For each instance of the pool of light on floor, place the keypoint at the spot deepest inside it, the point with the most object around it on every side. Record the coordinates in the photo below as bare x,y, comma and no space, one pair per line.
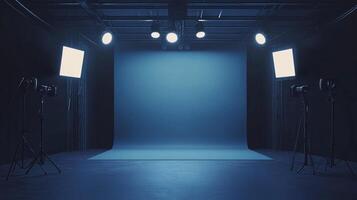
179,153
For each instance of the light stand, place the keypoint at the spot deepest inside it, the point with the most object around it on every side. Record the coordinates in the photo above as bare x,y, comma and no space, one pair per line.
42,155
306,139
331,100
23,144
331,159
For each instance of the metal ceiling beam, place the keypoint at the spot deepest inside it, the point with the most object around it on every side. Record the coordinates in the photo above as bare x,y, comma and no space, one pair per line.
345,14
207,28
25,11
194,5
191,6
322,27
193,18
187,39
91,12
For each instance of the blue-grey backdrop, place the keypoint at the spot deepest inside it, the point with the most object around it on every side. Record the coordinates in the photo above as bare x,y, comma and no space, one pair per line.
180,97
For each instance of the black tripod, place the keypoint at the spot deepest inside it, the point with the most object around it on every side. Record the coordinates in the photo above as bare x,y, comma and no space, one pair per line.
23,145
331,159
306,140
42,155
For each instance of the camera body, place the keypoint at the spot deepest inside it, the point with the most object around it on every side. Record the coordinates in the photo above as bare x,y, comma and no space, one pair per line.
31,84
298,90
47,90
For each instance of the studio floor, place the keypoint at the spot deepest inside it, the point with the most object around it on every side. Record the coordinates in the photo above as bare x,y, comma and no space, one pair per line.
180,152
89,179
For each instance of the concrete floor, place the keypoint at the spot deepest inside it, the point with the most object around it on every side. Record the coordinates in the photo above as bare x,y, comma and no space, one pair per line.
179,179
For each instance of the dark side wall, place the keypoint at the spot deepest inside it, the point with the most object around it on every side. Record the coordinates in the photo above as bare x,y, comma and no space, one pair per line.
327,53
259,97
100,99
30,50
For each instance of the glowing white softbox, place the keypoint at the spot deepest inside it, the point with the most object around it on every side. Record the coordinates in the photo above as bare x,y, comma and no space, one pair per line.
284,63
71,62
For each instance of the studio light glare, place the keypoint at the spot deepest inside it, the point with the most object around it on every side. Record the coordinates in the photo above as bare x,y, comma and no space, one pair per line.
284,63
155,35
171,37
71,62
200,34
155,30
260,38
107,38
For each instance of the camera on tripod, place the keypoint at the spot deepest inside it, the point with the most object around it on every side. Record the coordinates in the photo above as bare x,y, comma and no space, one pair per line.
47,90
27,85
298,90
31,84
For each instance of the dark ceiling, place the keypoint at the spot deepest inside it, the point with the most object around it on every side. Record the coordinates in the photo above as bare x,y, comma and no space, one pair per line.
223,20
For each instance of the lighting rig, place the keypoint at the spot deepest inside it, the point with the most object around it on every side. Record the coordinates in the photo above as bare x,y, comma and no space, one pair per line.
300,91
155,30
42,156
260,38
329,86
27,85
107,37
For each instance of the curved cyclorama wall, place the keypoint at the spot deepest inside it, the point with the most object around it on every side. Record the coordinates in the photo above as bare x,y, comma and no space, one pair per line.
180,98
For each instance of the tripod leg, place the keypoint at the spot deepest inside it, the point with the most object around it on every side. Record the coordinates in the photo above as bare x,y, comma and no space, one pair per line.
22,153
350,168
53,163
14,167
311,159
327,163
312,164
13,163
28,145
30,149
44,171
295,145
18,164
33,162
301,169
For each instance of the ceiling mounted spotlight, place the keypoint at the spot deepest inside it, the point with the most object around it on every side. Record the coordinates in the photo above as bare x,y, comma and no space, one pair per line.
171,37
155,30
155,34
200,32
107,38
260,38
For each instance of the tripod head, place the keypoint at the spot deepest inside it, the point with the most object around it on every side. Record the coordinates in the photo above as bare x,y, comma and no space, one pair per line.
27,84
300,91
31,84
329,86
47,90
